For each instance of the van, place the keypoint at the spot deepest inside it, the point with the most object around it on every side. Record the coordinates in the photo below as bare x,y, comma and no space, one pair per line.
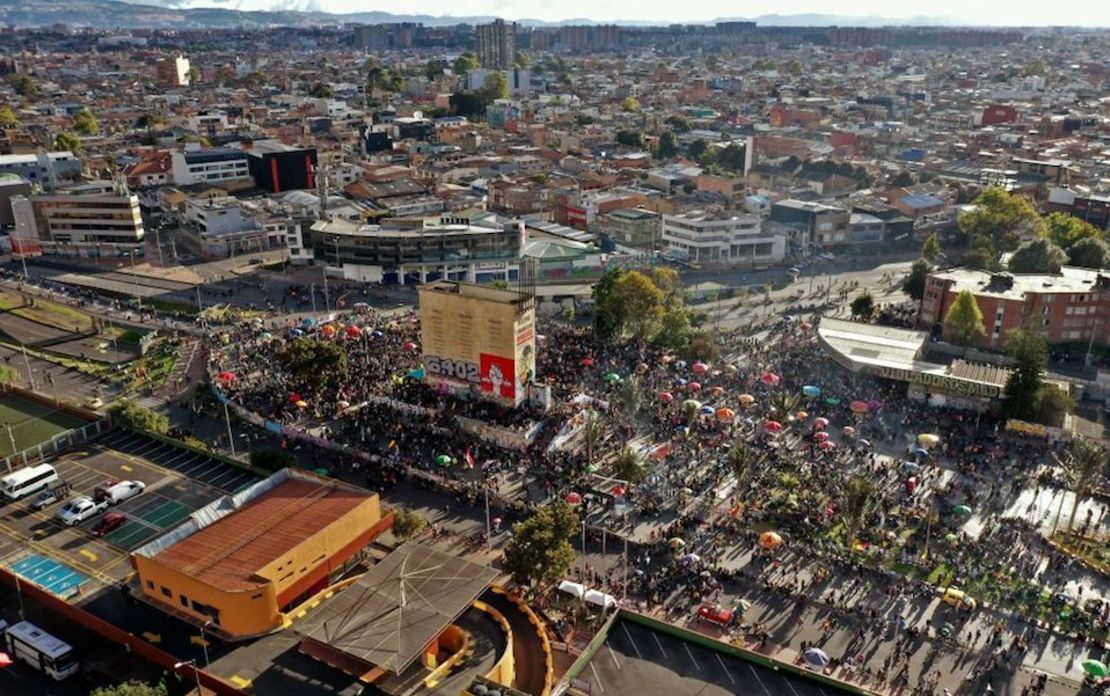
29,479
115,492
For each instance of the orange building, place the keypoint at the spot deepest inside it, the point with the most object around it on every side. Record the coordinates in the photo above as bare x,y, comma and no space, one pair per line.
243,560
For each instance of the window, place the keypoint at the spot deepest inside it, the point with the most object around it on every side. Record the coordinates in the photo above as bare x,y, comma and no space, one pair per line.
150,584
166,591
1069,310
184,601
1044,310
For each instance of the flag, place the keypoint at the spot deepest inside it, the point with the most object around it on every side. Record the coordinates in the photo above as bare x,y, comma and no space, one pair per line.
469,459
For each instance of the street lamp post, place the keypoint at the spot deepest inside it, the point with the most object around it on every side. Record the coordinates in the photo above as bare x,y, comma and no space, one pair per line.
196,672
230,436
135,282
27,363
11,436
204,641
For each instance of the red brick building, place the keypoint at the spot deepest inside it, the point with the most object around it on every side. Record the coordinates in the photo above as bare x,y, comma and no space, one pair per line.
1072,306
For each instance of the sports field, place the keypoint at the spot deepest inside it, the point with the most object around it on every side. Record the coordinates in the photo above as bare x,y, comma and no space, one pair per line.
30,423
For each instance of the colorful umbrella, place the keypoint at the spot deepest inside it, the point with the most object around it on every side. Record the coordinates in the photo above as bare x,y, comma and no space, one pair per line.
573,498
826,445
328,331
586,362
618,491
927,439
301,404
666,397
812,391
858,407
832,401
717,391
612,378
1095,668
707,410
770,540
353,331
700,368
691,404
848,431
820,422
676,543
641,368
5,660
343,404
418,372
816,657
769,378
691,558
962,511
772,426
801,415
742,604
443,460
294,397
409,346
226,377
725,414
693,386
806,326
820,436
746,399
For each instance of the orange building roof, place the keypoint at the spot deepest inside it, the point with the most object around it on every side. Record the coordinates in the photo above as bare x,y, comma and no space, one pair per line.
229,552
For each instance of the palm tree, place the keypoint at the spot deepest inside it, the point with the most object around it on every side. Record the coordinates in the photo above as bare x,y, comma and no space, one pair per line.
631,397
1083,468
593,432
785,404
859,496
630,466
741,459
690,409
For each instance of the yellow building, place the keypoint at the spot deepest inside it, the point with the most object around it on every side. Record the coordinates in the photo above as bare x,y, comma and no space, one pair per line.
243,560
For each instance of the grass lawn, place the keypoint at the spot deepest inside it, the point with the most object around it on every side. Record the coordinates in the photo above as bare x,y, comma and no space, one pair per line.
31,423
122,335
45,312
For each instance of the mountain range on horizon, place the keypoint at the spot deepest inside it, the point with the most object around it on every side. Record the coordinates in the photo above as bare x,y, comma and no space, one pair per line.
107,14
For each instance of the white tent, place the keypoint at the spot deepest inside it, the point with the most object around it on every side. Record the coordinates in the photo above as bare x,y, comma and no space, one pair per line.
574,589
601,599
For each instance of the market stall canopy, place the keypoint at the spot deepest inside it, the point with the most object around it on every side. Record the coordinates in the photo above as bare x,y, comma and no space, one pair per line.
574,589
600,599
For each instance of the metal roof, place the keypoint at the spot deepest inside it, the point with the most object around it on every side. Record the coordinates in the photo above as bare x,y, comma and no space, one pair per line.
397,608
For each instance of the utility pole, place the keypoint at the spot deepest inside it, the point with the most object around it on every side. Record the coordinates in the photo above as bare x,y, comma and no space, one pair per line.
27,362
135,282
15,450
489,536
230,435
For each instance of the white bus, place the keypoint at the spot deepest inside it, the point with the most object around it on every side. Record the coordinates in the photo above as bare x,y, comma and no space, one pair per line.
27,480
36,647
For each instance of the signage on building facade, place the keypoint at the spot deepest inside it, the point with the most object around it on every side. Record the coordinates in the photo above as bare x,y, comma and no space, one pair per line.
946,383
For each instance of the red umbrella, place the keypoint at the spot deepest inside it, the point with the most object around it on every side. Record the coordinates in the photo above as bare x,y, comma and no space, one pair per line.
769,378
409,345
693,386
806,326
859,407
666,397
821,436
353,331
617,491
827,445
700,368
587,362
820,422
772,426
5,660
295,397
573,498
226,377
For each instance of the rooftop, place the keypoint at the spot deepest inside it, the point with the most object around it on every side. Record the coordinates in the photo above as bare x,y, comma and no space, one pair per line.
228,542
1071,279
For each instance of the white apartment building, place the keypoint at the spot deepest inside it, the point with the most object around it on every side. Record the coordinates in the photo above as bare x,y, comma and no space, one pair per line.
223,228
721,237
209,166
81,219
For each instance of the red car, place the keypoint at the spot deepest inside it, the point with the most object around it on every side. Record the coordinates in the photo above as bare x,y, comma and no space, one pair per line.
714,614
108,523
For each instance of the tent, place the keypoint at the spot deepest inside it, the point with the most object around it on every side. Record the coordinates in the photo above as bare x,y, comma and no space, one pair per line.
600,599
574,589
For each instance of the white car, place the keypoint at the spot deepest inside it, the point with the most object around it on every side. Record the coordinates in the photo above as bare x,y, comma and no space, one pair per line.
115,492
79,510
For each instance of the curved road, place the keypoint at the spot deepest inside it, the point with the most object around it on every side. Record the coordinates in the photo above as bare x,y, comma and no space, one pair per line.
527,646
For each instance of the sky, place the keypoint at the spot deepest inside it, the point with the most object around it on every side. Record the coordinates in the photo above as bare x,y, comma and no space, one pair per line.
1088,13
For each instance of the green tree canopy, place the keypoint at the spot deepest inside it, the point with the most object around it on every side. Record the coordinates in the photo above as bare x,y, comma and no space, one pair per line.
630,466
407,524
131,688
863,307
964,320
858,499
980,255
465,63
1084,468
85,123
1030,351
630,138
914,284
630,104
1089,252
307,358
540,550
666,146
495,87
8,374
1064,230
8,118
1002,218
697,148
67,141
131,414
903,179
23,85
930,249
606,322
1037,256
638,305
321,90
678,123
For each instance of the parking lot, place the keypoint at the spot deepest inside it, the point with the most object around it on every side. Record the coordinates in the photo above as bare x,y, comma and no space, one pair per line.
636,659
70,561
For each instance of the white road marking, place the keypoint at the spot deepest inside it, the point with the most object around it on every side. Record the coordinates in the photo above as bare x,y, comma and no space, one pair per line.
632,640
725,668
613,655
696,665
597,678
659,644
791,687
761,684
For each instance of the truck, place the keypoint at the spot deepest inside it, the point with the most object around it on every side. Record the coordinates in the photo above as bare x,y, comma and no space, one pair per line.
55,493
80,509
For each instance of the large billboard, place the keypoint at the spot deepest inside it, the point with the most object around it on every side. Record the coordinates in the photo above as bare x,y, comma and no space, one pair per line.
479,339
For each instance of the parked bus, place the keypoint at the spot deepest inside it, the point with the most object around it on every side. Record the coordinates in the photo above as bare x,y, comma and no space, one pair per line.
27,480
36,647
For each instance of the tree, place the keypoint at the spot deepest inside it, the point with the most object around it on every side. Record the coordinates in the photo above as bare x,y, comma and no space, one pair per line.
631,397
321,90
1053,405
1037,256
1002,218
23,85
863,307
131,414
8,118
903,179
964,321
594,430
606,323
732,158
630,104
407,524
930,250
1089,252
522,59
540,550
433,70
309,358
674,328
468,104
980,255
465,63
85,123
630,466
678,123
741,460
67,141
1030,351
8,375
630,138
638,305
697,148
702,346
271,460
131,688
666,146
193,76
794,67
1083,468
858,497
495,87
1064,230
914,284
